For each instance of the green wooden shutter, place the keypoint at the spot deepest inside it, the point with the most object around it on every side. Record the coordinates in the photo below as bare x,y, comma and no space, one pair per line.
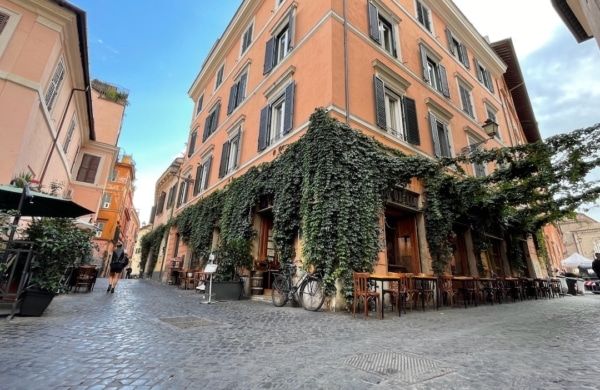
241,91
291,30
232,98
224,159
269,55
444,81
423,51
434,136
450,41
411,123
464,56
215,121
208,166
380,117
374,32
263,132
288,119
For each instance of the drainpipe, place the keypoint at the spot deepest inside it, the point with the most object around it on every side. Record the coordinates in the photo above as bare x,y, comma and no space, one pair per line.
346,83
60,126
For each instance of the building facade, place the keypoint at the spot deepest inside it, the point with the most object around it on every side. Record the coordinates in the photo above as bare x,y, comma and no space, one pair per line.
413,74
582,18
117,218
136,257
581,235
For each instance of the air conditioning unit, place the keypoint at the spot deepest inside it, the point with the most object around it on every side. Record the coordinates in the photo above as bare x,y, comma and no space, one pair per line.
106,205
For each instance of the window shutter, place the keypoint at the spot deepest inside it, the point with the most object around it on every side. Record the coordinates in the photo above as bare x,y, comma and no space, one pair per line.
420,16
490,82
380,117
241,92
288,120
206,132
478,70
423,51
374,23
269,55
215,121
198,179
224,159
450,43
464,56
448,150
3,21
208,166
394,50
94,162
291,30
444,81
232,98
263,132
434,136
411,122
199,104
192,144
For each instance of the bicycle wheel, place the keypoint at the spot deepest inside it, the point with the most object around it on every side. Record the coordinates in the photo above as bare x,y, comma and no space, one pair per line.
281,290
312,294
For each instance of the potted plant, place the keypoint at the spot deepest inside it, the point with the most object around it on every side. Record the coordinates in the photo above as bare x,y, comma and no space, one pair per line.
233,258
59,244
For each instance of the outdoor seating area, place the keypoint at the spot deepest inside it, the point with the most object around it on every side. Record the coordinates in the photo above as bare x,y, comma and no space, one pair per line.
84,277
402,291
187,279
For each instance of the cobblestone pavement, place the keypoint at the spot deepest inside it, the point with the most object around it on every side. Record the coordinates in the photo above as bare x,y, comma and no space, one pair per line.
152,336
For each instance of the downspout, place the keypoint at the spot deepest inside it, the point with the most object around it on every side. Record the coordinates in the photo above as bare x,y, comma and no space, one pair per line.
346,83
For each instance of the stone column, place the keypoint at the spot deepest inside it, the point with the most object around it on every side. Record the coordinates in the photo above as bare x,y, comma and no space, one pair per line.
424,255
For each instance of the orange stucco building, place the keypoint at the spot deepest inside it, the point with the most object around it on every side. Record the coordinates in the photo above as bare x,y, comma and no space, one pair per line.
414,74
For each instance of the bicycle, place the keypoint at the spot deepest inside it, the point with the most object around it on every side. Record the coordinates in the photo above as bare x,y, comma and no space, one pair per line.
308,292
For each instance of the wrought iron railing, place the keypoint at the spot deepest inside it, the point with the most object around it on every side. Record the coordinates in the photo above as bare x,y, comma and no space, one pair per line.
15,265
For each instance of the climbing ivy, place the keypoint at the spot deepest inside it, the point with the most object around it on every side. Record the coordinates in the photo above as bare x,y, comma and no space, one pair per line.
151,245
331,187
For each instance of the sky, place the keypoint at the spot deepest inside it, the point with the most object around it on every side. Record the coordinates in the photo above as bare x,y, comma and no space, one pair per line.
158,59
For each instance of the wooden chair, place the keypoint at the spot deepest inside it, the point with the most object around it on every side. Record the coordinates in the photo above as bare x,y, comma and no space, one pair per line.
363,291
396,290
187,279
85,277
447,293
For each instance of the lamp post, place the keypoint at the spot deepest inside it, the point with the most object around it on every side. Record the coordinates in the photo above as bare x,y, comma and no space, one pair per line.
491,129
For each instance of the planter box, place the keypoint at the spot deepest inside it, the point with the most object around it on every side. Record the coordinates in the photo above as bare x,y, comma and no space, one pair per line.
35,302
227,291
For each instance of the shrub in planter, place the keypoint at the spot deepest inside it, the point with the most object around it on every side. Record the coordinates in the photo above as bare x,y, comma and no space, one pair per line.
233,258
59,244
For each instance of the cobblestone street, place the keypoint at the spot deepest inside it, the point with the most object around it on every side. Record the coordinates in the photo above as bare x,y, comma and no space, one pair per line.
152,336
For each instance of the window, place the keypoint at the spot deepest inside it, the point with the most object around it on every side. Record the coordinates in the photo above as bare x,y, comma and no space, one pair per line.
441,137
192,145
88,168
3,21
219,79
434,73
100,228
276,118
381,30
199,104
69,136
279,45
202,176
229,156
491,114
424,15
212,122
484,76
279,2
106,198
457,49
465,99
161,203
55,84
247,38
171,198
183,190
237,93
478,168
396,114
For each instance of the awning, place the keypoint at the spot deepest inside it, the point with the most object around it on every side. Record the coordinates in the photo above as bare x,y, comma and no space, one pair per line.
40,205
575,260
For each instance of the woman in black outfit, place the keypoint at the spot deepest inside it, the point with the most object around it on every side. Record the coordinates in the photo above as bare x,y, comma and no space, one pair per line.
118,261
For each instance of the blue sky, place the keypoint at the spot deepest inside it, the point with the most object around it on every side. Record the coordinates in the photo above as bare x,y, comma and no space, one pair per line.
156,56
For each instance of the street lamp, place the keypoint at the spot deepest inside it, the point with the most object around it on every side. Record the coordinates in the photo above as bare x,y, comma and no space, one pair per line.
491,129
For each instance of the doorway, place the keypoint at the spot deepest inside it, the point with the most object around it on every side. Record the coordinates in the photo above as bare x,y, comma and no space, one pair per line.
402,248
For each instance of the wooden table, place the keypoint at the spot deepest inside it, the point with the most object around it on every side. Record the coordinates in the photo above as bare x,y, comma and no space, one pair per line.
427,278
383,278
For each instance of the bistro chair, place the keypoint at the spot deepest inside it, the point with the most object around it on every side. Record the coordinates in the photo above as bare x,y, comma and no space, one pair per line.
447,292
187,279
85,277
363,291
555,288
397,290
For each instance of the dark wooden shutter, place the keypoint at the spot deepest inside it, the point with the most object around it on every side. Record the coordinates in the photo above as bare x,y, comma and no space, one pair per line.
263,131
288,119
199,104
224,159
241,92
3,21
446,149
464,56
232,98
198,180
420,16
411,122
444,81
450,41
490,81
478,70
434,136
291,30
380,117
208,166
192,145
423,51
88,168
206,132
215,121
374,23
269,55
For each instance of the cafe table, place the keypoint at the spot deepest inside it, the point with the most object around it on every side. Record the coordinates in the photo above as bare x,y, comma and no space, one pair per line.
384,278
423,281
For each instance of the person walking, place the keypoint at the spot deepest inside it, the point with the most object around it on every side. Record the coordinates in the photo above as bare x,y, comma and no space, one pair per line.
128,272
118,261
596,265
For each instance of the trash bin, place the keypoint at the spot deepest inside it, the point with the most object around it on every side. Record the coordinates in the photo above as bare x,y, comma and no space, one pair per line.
572,286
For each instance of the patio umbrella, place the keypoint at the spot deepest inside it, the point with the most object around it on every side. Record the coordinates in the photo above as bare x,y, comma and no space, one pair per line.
575,260
40,205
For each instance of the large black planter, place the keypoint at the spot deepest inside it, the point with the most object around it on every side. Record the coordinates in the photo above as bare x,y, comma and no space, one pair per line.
35,302
227,291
